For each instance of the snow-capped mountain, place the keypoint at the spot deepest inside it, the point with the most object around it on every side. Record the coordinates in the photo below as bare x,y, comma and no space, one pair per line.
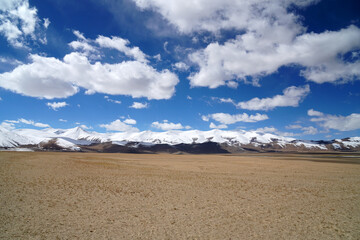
12,139
76,139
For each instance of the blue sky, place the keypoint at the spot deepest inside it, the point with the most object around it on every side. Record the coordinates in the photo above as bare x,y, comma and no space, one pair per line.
287,67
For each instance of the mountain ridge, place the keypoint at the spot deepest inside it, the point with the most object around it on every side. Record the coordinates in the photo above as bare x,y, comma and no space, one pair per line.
191,141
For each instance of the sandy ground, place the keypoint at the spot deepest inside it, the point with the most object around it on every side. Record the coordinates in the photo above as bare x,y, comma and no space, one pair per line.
123,196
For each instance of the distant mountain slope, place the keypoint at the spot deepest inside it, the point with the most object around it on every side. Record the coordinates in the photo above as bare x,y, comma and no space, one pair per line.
192,141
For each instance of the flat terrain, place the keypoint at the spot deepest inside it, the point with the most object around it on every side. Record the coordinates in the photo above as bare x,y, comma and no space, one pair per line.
161,196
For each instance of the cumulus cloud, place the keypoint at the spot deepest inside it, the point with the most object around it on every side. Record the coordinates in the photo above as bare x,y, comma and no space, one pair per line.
119,126
157,57
220,126
120,44
83,126
310,130
226,118
205,118
19,22
7,125
275,131
46,22
341,123
112,100
313,113
291,97
10,124
139,105
48,77
31,122
267,130
56,105
166,125
181,66
252,56
82,44
130,121
10,61
62,120
293,126
270,36
189,16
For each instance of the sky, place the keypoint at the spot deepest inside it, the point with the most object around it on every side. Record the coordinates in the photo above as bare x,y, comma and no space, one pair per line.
288,67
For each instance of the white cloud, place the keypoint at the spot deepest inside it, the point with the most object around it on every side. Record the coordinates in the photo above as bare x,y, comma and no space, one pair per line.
79,35
45,78
7,125
56,105
49,77
252,56
294,126
31,122
291,97
139,105
46,22
112,100
62,120
119,126
213,15
10,124
337,71
181,66
313,113
130,121
10,61
19,22
120,44
157,57
41,125
310,130
275,131
166,125
341,123
85,46
205,118
225,100
188,97
272,36
11,32
165,47
82,46
83,126
226,118
220,126
267,130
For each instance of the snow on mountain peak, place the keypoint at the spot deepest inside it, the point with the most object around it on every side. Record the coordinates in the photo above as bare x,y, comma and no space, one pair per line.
79,137
11,139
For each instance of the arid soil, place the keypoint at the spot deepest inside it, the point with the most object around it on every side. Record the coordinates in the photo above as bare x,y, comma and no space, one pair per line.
162,196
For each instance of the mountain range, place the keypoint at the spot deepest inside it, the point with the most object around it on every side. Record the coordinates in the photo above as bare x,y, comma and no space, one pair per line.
191,141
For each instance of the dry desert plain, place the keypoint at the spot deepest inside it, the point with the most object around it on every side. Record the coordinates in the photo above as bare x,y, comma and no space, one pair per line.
46,195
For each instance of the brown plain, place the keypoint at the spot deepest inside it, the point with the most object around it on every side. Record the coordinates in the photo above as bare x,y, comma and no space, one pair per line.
161,196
